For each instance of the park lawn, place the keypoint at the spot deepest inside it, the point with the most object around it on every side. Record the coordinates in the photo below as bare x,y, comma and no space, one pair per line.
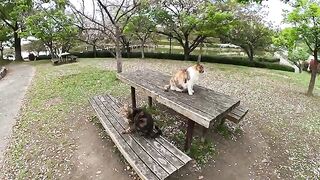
41,137
41,145
4,62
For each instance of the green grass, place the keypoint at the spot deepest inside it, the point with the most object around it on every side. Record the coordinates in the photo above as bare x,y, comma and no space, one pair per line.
201,151
4,62
46,118
43,129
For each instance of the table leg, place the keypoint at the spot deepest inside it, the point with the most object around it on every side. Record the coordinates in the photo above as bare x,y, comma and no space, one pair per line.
222,121
189,135
133,97
150,101
204,133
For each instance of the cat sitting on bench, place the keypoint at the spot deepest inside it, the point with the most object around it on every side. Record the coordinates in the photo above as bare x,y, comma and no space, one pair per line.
140,121
184,79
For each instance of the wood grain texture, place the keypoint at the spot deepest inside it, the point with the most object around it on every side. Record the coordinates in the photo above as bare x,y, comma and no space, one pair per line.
155,155
149,157
133,159
3,72
204,107
237,114
167,146
143,155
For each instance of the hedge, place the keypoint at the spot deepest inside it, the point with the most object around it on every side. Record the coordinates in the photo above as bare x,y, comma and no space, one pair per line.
241,61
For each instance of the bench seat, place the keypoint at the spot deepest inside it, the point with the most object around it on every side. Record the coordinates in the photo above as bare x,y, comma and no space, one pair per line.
3,72
237,114
150,158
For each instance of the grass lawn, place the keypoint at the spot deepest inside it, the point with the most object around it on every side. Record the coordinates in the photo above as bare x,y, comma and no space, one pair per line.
44,126
4,62
42,146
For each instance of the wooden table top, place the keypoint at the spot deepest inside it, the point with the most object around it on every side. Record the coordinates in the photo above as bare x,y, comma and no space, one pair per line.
204,107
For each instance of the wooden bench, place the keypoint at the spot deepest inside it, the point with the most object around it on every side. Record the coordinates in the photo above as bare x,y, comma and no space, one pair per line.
150,158
237,114
64,59
206,107
3,72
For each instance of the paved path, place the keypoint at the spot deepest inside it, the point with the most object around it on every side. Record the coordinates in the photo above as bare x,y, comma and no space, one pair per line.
13,88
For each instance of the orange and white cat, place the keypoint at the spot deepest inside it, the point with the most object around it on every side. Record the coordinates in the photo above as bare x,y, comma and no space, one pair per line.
185,79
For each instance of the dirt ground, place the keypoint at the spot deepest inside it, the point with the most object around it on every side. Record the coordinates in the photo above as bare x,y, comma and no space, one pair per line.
278,137
255,154
97,157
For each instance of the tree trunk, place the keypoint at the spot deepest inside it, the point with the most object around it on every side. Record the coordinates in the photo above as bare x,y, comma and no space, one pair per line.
17,46
186,48
51,50
118,51
314,68
312,82
1,54
200,53
142,50
186,53
170,40
1,51
128,49
94,49
249,53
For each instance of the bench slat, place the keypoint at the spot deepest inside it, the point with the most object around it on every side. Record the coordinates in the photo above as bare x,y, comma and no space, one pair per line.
150,162
131,156
203,107
237,114
165,146
206,97
168,155
166,165
188,111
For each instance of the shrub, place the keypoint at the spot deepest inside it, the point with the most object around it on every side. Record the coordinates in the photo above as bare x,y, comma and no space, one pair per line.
43,57
268,63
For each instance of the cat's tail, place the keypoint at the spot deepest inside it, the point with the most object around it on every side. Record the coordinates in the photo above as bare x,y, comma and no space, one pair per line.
167,87
157,133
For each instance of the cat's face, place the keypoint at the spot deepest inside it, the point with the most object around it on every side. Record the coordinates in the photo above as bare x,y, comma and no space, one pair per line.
199,68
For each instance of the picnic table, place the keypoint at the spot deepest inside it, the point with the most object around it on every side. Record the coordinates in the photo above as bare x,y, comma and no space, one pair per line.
65,58
206,107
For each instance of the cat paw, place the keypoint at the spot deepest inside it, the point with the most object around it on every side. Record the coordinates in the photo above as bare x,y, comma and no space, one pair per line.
190,93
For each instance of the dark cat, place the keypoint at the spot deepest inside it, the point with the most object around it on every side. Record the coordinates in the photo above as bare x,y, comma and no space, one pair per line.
140,121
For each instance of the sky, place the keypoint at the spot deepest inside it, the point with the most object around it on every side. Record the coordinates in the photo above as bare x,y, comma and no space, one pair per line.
273,7
275,10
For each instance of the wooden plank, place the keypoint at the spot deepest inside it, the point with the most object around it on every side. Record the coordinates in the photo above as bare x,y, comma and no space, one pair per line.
160,80
174,150
149,161
237,114
189,112
205,105
173,154
137,164
166,165
133,97
204,98
202,94
189,135
158,92
179,98
149,101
